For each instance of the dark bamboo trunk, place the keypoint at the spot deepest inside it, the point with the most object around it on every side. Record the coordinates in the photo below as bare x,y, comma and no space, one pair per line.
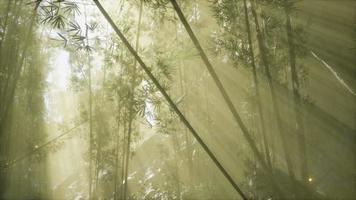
297,98
257,88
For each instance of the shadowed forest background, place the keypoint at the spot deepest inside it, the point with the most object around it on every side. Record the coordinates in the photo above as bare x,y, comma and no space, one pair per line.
177,99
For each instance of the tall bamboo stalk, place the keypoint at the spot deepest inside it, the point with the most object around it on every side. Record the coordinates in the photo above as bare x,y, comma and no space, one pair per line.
90,132
185,106
257,88
120,117
91,137
131,112
296,97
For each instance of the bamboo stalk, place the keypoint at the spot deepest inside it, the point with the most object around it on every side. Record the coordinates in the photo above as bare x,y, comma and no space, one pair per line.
296,97
132,96
257,88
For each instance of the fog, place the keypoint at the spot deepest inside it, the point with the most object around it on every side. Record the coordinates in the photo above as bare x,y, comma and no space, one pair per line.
177,99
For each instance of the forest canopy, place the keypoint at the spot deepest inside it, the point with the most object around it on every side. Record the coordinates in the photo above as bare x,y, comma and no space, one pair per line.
177,99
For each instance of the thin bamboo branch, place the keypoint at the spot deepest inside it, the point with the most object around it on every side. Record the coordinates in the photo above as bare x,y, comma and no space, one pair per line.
40,147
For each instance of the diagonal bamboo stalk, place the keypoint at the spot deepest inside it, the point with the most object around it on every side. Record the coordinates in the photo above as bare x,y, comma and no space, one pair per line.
169,100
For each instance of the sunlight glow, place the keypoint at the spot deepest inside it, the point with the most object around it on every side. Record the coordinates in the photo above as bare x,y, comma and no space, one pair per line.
58,77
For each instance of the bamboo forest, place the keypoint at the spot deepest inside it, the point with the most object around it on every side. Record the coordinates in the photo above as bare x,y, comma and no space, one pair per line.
177,99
